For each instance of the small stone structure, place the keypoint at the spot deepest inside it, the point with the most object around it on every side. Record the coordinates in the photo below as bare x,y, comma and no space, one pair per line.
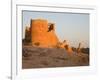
42,34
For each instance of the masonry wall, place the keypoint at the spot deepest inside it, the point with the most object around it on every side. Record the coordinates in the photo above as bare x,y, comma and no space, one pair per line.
41,35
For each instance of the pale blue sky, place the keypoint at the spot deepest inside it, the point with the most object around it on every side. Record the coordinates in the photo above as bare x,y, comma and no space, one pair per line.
73,27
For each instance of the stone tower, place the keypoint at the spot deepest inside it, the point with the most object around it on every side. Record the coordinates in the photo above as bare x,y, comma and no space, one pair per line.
43,33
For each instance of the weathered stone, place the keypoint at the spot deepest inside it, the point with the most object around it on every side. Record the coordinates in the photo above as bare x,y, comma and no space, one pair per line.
42,34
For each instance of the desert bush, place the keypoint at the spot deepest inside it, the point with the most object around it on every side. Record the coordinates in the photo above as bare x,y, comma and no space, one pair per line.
25,42
66,47
85,50
74,49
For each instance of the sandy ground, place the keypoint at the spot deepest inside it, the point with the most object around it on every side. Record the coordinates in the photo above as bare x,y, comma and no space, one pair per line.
35,57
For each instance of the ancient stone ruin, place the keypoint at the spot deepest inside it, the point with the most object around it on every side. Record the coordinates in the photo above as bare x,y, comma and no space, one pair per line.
42,33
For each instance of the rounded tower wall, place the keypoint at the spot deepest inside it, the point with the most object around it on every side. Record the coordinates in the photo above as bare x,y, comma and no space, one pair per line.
38,31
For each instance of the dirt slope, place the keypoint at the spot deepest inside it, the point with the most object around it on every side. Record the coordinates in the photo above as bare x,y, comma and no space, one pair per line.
35,57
